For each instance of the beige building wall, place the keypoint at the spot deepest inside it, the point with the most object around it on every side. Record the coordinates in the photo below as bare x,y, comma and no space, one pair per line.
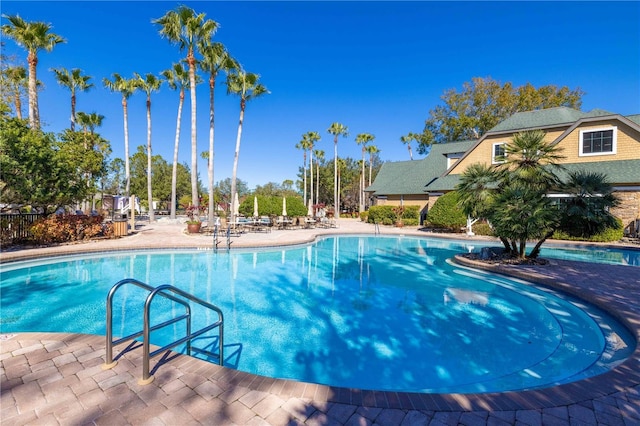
627,143
483,153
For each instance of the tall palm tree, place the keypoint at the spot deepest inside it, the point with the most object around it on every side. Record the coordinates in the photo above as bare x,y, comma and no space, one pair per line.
319,153
126,89
149,84
304,145
313,138
177,79
407,141
363,139
372,150
15,82
247,87
336,129
187,29
90,121
73,81
33,36
215,58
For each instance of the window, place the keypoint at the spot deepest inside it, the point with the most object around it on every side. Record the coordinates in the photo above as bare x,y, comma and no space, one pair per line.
598,141
498,154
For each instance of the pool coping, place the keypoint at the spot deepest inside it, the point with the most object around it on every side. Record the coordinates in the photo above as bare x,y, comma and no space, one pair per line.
620,299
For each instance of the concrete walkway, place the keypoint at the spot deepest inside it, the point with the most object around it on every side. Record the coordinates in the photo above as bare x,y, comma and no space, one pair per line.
52,378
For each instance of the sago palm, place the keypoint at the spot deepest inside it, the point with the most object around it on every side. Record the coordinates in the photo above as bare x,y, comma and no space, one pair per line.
187,29
73,81
33,36
247,87
336,129
149,84
586,212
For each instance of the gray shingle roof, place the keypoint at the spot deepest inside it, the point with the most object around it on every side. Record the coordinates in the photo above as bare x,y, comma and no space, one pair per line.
410,177
545,118
635,118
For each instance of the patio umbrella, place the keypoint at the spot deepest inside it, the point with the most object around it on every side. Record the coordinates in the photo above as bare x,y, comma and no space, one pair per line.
255,207
284,206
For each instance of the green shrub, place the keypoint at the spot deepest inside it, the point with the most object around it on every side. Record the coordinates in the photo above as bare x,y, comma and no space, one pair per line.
411,212
411,222
482,228
608,235
378,214
387,221
446,213
364,216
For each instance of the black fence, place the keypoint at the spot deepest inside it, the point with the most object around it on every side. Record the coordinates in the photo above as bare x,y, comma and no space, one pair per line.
14,228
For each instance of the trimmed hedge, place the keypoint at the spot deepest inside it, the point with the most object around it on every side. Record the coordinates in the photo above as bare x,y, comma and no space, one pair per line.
608,235
446,213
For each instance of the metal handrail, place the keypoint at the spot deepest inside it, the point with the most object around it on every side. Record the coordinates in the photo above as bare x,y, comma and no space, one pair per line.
147,354
176,295
376,228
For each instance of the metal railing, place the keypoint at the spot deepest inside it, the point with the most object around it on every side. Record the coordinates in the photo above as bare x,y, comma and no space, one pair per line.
175,295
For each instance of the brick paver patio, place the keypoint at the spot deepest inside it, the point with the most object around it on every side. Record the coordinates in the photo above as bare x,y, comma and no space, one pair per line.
54,378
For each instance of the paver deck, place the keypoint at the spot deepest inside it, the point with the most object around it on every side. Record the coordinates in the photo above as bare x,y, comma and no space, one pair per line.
55,378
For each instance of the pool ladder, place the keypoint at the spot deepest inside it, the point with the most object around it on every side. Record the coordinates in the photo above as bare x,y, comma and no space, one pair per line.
175,295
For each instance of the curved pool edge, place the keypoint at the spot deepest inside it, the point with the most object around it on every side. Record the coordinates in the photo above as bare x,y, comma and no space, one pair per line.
618,298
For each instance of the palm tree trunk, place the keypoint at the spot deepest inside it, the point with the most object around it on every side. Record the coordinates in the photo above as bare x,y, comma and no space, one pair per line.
127,168
536,250
304,167
362,183
194,147
336,205
212,85
235,160
34,116
18,105
149,172
311,176
174,172
317,182
73,112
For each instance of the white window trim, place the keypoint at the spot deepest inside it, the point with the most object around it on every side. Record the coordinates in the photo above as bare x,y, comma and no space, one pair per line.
493,153
614,141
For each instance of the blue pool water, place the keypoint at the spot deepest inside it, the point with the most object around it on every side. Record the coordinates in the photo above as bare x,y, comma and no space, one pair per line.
385,313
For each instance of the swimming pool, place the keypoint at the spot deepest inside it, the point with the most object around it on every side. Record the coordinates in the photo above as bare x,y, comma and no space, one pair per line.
384,313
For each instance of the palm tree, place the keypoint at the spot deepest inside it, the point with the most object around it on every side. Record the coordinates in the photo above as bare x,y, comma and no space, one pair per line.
407,141
312,137
149,84
89,122
126,89
304,145
246,86
372,150
319,158
176,78
16,81
363,139
215,58
33,36
336,129
513,196
73,81
187,29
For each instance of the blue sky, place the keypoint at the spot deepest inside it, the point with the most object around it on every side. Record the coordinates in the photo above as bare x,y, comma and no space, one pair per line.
376,67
